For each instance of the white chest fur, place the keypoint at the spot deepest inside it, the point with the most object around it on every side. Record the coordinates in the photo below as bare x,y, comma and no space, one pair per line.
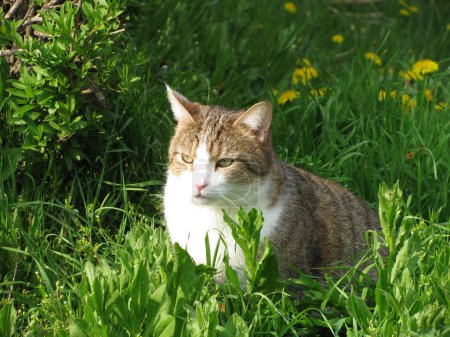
189,223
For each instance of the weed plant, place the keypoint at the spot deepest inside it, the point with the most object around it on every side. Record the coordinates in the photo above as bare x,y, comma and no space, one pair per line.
84,130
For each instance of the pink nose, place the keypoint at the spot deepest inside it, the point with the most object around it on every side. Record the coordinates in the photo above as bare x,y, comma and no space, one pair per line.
200,187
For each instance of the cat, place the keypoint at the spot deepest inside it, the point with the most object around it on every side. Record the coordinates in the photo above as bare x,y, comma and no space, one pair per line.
223,158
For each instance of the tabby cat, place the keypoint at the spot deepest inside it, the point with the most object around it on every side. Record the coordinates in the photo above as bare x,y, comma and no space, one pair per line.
223,158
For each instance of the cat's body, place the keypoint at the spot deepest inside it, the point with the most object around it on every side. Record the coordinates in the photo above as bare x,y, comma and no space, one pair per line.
222,159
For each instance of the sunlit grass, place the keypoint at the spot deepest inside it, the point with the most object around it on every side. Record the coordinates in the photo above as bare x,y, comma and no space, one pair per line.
87,254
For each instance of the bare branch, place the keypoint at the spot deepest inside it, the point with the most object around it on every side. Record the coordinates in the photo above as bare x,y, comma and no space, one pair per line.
52,4
35,19
9,52
40,34
117,31
13,9
100,99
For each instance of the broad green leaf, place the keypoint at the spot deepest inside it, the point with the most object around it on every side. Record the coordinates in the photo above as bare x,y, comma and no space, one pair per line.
9,158
139,290
165,327
54,125
89,270
359,311
267,275
79,328
185,280
7,320
380,298
17,92
45,97
234,327
20,112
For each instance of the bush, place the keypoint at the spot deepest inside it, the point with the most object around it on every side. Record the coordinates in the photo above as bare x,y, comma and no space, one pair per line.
64,66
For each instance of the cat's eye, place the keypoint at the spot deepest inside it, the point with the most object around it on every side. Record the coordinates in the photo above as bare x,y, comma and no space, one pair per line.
224,162
187,158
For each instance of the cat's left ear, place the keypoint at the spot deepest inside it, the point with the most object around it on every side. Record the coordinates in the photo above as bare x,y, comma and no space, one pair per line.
258,118
183,109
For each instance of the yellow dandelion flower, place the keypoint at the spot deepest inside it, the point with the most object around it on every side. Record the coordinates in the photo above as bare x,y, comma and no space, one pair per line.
304,62
287,96
373,57
404,12
403,3
304,74
423,67
410,75
382,95
337,38
319,92
448,26
428,95
413,9
440,106
408,103
290,7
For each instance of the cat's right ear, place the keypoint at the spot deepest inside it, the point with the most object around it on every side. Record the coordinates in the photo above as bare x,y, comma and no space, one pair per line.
258,118
182,108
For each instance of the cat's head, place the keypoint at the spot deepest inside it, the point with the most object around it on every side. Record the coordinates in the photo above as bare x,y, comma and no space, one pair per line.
220,156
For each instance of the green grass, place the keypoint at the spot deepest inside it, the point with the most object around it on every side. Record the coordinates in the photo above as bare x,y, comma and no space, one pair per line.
84,252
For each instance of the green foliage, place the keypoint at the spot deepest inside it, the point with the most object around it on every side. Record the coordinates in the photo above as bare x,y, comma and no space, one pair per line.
208,48
261,273
151,291
390,209
143,287
129,298
413,279
84,130
9,158
7,319
67,76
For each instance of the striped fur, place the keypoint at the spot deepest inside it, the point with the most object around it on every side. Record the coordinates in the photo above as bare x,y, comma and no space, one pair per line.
311,222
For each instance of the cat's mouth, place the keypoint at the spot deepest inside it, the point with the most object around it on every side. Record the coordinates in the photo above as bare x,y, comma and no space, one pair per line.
201,199
204,197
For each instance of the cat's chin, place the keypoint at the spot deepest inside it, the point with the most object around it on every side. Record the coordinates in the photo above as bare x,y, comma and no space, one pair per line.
202,200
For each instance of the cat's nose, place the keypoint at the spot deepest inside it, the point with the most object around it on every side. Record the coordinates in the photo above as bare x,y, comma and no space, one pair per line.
202,186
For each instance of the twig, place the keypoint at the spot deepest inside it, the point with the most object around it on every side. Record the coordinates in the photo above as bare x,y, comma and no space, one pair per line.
40,34
35,19
13,9
9,52
100,98
117,31
52,3
12,285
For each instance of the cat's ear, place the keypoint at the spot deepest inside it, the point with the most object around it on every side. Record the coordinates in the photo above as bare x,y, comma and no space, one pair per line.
258,118
182,108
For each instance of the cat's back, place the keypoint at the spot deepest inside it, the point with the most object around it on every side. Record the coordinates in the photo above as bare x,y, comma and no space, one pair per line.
321,223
